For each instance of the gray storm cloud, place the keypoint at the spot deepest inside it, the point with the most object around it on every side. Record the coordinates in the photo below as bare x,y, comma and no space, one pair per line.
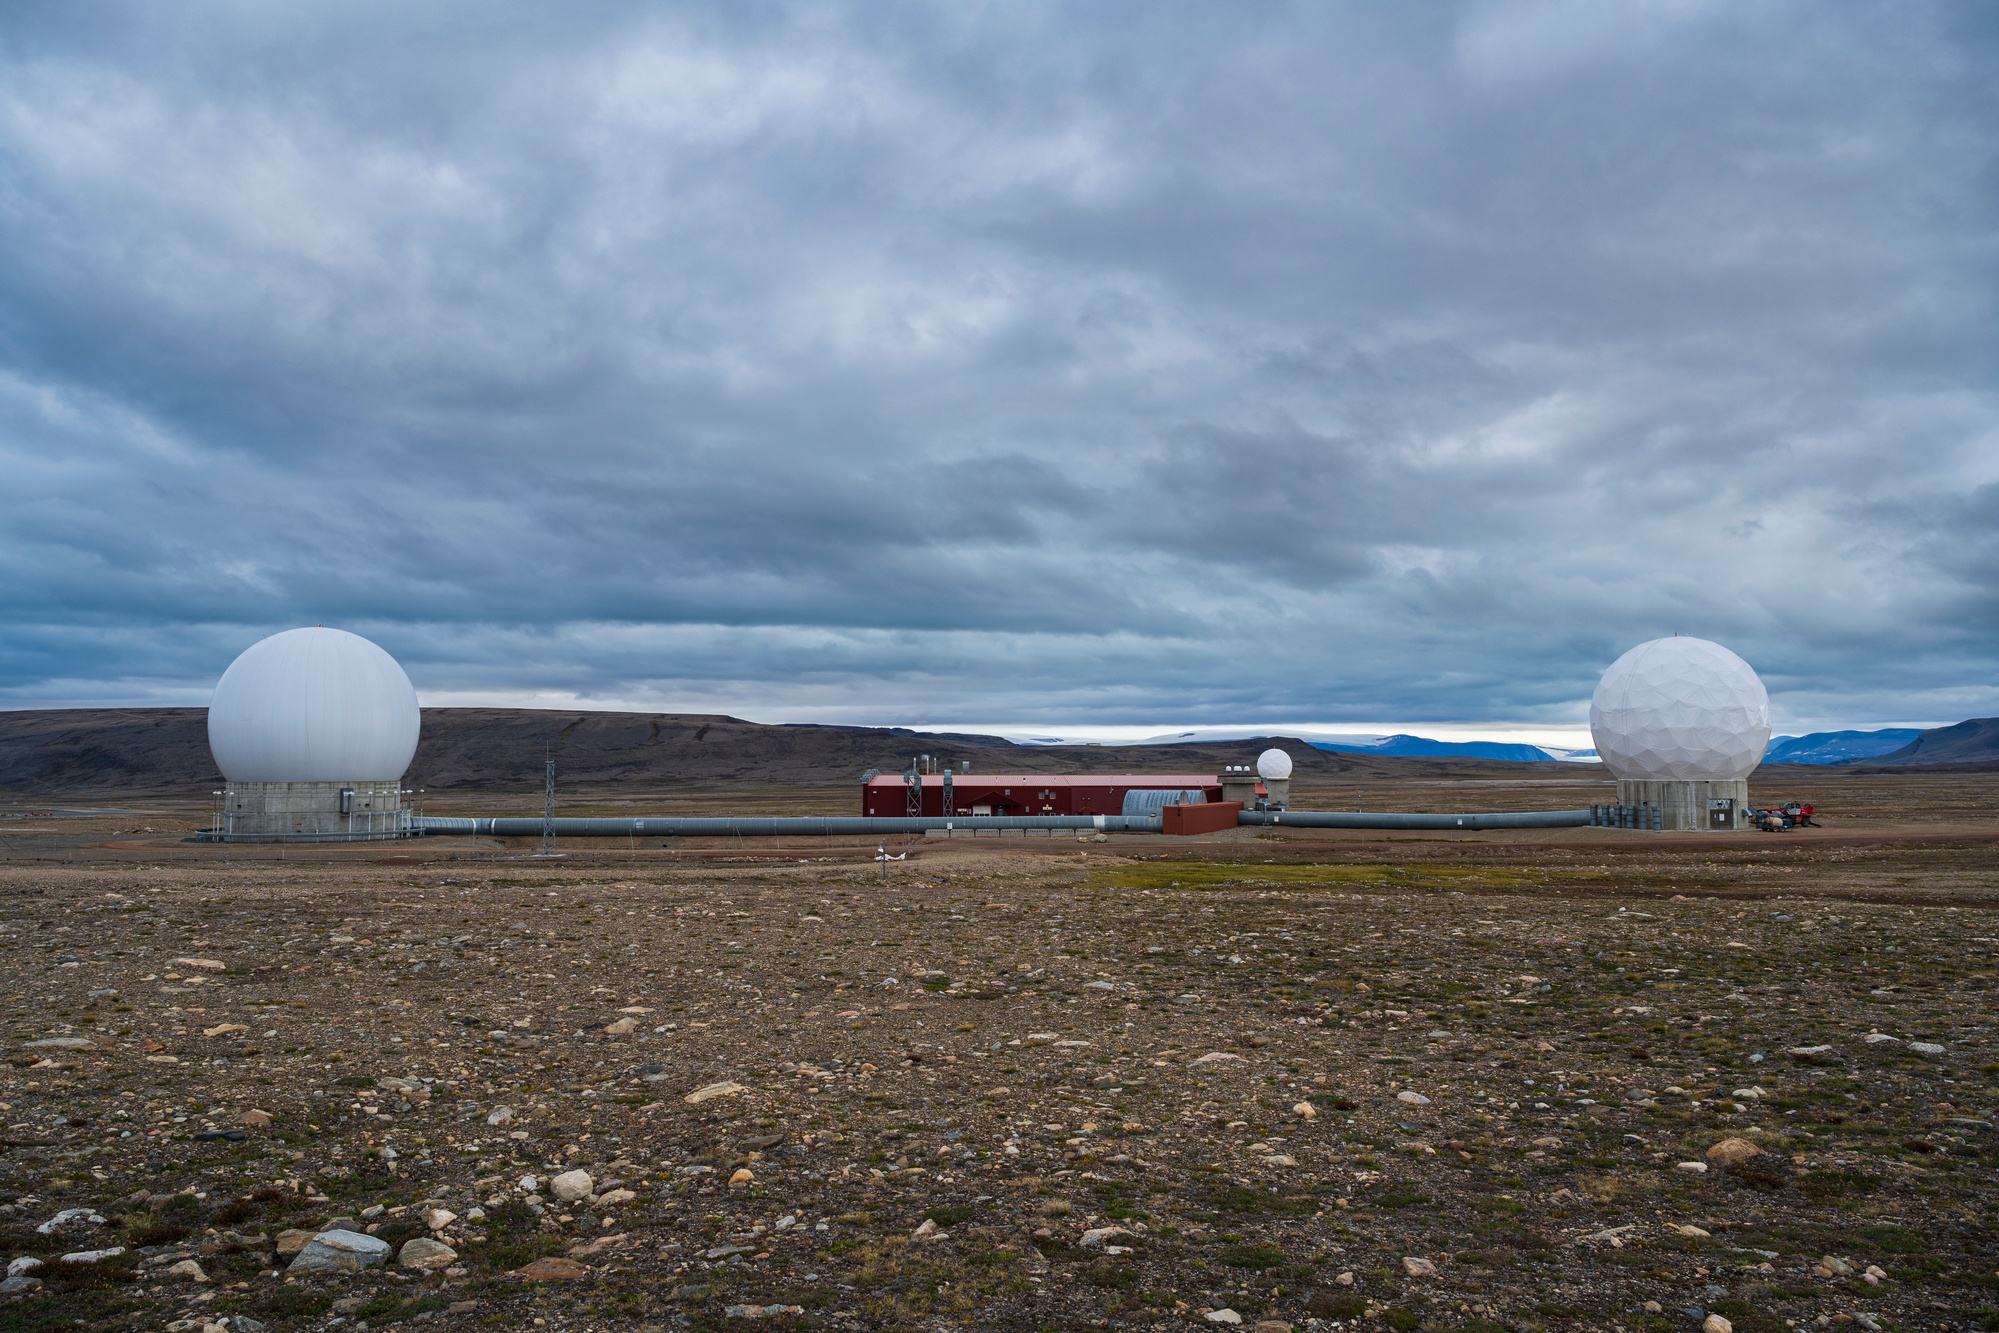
1057,363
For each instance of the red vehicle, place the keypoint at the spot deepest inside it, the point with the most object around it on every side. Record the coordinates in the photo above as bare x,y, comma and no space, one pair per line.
1784,818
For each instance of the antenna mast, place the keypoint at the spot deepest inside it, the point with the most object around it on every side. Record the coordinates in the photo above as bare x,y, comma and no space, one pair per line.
548,810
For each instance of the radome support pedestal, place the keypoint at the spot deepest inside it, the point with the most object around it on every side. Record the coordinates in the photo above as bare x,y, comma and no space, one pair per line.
313,811
1688,807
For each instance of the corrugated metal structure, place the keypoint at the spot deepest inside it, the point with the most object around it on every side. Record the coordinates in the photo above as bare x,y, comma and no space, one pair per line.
919,795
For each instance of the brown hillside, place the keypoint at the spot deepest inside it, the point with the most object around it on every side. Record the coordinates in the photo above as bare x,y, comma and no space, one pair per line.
161,750
1972,742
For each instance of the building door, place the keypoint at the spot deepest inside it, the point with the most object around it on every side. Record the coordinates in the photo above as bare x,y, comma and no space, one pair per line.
1721,814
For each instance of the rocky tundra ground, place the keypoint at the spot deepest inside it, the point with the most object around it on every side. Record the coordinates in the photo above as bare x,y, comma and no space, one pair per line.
1263,1082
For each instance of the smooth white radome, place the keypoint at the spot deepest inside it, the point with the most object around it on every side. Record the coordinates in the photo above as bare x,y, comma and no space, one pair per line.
313,705
1680,709
1273,765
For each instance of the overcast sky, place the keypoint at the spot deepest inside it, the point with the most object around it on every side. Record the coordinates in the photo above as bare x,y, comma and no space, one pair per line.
1152,365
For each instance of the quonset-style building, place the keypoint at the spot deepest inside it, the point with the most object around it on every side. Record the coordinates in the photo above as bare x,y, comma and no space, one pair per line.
888,795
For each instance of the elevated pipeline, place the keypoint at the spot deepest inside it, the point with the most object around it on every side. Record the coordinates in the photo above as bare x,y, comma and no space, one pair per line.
1367,820
835,825
778,827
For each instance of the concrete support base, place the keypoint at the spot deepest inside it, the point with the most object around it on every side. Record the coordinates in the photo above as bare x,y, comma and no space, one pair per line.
1689,807
312,812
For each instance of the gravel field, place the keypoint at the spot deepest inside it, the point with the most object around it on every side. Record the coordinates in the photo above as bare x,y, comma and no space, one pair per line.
1584,1080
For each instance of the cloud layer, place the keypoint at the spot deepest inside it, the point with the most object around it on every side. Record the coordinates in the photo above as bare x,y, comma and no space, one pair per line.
1069,364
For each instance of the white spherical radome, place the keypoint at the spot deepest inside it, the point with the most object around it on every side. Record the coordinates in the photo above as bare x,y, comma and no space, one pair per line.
1273,765
314,705
1680,709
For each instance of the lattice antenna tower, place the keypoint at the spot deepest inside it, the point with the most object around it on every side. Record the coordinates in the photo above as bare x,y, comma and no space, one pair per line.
548,809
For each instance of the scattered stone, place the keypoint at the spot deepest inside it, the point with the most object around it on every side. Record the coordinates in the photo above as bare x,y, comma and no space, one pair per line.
1222,1316
426,1255
1926,1048
552,1270
19,1285
1714,1323
1096,1237
712,1091
59,1043
291,1240
224,1029
340,1251
1216,1058
90,1256
255,1118
503,1115
206,964
1733,1152
1692,1168
741,1176
572,1186
27,1263
189,1269
1416,1265
622,1028
1881,1039
1611,1236
1412,1098
71,1217
1810,1055
1305,1111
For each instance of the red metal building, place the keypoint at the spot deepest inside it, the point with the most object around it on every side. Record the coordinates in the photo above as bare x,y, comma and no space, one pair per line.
886,795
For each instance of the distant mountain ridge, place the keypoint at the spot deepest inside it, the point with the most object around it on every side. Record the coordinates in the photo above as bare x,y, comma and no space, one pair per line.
1975,741
1422,747
1838,747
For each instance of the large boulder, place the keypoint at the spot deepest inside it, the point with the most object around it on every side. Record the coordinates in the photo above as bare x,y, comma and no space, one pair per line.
426,1255
572,1186
340,1252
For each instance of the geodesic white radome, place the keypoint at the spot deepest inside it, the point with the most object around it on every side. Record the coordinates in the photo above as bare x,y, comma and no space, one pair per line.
314,705
1273,765
1680,709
